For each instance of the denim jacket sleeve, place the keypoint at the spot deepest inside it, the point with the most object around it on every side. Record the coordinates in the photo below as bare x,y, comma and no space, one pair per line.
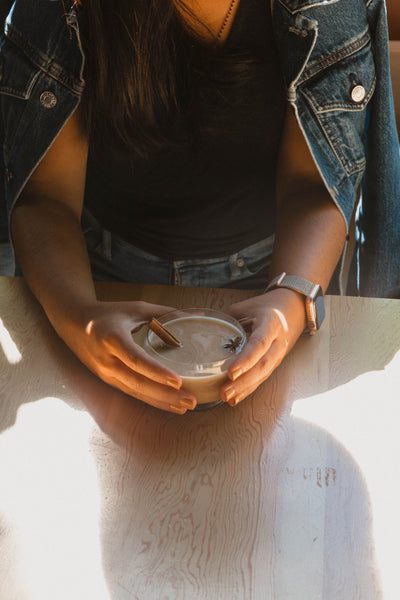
4,9
40,85
378,223
334,57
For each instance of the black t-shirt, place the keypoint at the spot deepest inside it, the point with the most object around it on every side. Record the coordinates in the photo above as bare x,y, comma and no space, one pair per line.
216,197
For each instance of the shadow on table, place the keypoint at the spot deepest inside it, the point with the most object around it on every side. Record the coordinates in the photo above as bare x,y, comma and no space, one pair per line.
224,504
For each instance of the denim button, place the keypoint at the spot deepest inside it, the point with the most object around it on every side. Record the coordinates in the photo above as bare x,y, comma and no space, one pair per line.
240,262
358,93
48,99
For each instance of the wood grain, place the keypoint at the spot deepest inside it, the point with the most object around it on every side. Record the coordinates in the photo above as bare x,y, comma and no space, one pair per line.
288,495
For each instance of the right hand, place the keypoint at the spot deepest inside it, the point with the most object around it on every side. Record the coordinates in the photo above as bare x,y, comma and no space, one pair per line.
101,338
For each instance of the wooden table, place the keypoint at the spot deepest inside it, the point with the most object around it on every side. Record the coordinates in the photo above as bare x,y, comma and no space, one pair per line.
294,494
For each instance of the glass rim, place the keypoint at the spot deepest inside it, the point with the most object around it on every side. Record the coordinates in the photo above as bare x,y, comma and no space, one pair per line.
198,312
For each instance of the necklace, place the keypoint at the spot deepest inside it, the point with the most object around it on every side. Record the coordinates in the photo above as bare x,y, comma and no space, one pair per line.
226,20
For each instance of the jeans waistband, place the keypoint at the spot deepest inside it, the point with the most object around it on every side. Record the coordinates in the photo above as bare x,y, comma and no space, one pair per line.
113,258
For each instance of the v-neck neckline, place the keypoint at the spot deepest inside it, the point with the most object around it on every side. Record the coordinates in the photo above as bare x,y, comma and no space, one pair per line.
233,26
210,39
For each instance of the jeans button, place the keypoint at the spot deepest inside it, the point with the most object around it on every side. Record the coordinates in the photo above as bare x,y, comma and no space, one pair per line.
240,262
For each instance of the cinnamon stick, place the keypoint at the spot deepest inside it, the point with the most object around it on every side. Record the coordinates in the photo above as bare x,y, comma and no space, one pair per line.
163,333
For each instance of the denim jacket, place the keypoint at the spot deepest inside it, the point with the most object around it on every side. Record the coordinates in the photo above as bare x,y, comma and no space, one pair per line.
335,63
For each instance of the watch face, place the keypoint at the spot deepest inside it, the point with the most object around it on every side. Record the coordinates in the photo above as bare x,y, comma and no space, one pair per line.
315,309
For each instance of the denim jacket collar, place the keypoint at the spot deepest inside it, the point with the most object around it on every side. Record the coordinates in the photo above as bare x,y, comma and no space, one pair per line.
301,30
52,53
295,6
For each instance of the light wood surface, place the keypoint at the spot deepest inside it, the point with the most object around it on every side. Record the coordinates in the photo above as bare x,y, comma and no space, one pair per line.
294,494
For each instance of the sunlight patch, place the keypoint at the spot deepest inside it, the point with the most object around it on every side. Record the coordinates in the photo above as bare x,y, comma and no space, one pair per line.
49,490
8,345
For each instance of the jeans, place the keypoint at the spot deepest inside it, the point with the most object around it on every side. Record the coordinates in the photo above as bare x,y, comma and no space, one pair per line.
114,259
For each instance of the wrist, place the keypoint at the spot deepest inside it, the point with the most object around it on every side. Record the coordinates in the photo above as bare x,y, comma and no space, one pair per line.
291,303
73,315
312,296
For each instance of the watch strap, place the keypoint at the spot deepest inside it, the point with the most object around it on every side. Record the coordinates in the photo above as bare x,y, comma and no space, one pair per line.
299,284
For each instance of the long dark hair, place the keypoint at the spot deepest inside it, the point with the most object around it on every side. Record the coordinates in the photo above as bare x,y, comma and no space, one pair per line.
146,70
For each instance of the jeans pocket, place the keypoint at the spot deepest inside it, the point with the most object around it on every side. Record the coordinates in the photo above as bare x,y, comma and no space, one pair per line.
256,258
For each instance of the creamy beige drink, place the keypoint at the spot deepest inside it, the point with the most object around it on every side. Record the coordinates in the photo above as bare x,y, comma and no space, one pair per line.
210,343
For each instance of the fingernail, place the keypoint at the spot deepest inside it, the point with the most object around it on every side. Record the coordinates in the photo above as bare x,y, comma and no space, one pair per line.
229,394
238,398
174,383
236,373
188,403
177,409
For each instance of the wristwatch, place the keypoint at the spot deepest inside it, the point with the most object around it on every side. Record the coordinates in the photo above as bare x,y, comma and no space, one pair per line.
314,298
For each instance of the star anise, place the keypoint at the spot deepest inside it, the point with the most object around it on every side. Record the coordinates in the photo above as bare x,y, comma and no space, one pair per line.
233,344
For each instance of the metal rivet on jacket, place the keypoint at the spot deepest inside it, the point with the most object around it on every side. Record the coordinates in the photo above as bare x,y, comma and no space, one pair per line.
48,99
358,93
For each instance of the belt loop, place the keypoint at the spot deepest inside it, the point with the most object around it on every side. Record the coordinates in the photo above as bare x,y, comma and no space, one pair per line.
175,275
106,245
233,265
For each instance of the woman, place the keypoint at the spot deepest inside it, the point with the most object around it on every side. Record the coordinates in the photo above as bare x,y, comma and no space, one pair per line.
197,84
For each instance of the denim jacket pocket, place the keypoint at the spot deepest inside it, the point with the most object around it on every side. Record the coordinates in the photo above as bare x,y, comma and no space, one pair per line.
18,75
18,79
338,90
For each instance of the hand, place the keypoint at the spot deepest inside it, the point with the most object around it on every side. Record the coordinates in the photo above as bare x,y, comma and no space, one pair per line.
101,338
274,322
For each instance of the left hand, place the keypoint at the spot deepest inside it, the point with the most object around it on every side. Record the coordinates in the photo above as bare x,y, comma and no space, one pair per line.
274,322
